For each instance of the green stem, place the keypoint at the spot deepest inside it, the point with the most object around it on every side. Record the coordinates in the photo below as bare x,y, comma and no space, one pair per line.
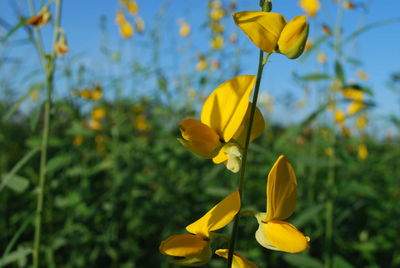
49,66
261,63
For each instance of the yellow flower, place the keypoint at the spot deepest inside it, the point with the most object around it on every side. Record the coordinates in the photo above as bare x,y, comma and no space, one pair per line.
354,107
353,94
90,94
362,152
221,132
349,5
321,57
271,33
34,95
78,140
98,113
126,29
311,7
184,29
339,117
195,248
217,14
61,46
345,131
274,233
141,123
94,124
40,19
238,261
217,43
361,122
362,75
139,24
329,151
132,7
201,65
120,18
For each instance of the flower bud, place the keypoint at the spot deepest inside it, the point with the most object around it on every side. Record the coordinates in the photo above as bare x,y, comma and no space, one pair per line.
293,37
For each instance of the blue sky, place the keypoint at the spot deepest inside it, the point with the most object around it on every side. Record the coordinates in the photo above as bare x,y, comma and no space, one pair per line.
377,49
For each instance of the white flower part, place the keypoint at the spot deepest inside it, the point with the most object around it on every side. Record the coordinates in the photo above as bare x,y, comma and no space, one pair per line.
234,154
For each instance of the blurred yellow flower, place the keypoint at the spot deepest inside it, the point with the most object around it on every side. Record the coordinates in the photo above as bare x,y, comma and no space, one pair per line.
361,122
98,113
300,105
34,95
353,94
139,24
91,94
274,233
195,248
354,107
120,18
94,125
238,261
221,132
321,57
201,65
78,140
217,43
217,13
100,138
61,46
311,7
141,123
345,131
339,117
40,19
126,29
328,151
184,29
362,75
348,5
362,151
132,7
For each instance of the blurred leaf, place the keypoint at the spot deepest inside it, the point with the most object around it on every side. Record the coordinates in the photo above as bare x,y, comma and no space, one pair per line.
16,183
313,47
314,77
19,255
302,261
17,167
307,215
339,72
339,262
369,27
22,22
34,119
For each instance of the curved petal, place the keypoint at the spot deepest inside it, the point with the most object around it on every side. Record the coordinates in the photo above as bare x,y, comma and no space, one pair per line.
219,216
226,106
293,38
183,245
354,107
220,157
263,28
282,236
199,138
256,129
281,190
239,261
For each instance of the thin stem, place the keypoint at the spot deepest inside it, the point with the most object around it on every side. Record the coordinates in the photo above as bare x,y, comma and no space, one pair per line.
261,63
49,71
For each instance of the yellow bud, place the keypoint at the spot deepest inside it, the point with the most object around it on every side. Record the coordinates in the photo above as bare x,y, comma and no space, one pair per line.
340,117
361,122
217,43
126,30
61,46
217,14
98,113
293,37
120,18
310,6
184,29
362,152
132,7
139,24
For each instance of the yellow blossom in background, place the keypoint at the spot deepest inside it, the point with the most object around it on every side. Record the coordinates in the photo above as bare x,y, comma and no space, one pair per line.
339,117
120,18
90,94
34,95
300,105
132,7
98,113
354,107
141,123
311,7
348,5
195,249
217,13
220,134
78,140
61,46
201,65
274,233
184,29
353,94
126,29
100,138
215,4
238,261
217,28
94,124
329,151
40,19
362,151
362,75
215,64
321,57
217,43
361,122
271,33
139,24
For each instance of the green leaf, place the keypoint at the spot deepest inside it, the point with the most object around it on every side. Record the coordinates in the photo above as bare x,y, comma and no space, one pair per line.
369,27
18,255
339,262
314,77
308,215
302,261
339,71
22,22
16,183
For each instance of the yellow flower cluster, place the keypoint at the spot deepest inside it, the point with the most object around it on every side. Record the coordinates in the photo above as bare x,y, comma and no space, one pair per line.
216,14
94,93
126,30
228,122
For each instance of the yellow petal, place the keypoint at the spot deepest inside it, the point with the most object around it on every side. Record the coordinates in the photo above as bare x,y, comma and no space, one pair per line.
239,261
310,6
199,138
183,245
281,190
293,38
353,94
354,107
226,106
256,129
126,30
282,236
221,157
218,217
263,28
